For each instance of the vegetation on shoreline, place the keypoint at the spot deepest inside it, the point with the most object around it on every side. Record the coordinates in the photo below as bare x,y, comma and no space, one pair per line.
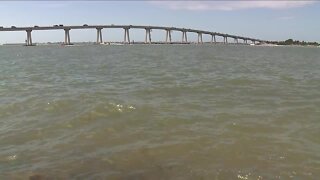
295,42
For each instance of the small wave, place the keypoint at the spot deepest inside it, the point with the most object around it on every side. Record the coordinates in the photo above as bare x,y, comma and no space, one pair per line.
99,111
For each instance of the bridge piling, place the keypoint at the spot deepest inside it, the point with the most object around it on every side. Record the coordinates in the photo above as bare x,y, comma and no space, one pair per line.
29,38
67,37
148,36
126,35
184,37
99,35
200,38
168,35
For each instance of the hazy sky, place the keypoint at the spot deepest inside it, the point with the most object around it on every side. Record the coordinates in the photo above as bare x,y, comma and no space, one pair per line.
270,20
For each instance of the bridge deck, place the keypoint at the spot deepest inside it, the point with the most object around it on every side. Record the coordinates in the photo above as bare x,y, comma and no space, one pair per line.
125,27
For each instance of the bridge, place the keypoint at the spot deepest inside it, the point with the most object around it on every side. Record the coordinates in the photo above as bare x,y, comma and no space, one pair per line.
126,28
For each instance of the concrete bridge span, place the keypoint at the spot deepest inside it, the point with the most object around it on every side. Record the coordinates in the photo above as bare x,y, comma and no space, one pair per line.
126,28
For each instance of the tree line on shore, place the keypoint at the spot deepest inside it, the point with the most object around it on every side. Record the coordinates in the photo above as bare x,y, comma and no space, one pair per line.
295,42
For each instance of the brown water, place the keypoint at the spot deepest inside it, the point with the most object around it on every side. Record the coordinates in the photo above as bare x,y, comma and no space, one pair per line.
160,112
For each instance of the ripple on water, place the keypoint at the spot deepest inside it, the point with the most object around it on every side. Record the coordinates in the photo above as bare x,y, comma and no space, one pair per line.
159,112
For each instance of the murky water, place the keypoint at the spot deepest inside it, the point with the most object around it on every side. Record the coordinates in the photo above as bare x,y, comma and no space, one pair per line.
160,112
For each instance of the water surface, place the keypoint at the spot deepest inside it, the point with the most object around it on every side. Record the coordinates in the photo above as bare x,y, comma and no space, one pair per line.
160,112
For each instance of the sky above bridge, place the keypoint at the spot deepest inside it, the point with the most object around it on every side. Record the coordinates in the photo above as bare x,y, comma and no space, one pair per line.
268,20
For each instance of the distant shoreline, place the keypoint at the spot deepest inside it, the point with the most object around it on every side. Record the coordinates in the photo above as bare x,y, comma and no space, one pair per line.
153,43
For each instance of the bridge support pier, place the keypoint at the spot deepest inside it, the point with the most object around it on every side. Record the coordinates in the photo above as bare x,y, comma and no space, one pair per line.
126,36
213,38
184,37
99,35
168,35
29,38
225,40
236,40
148,36
67,37
200,38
